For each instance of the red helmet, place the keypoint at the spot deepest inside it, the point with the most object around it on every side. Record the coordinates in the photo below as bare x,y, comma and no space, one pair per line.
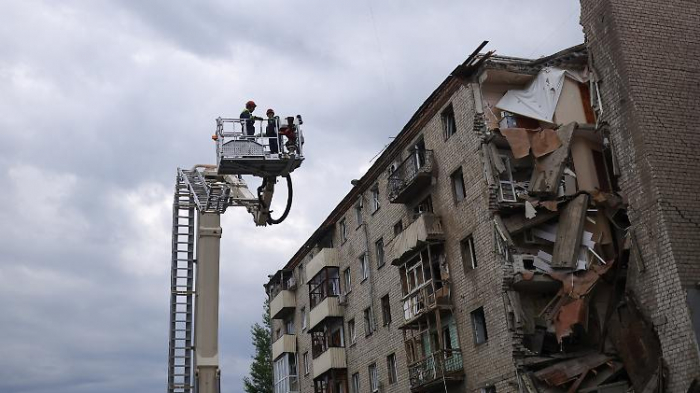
250,103
270,111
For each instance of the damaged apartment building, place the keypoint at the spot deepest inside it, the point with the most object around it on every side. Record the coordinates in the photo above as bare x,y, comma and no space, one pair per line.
488,249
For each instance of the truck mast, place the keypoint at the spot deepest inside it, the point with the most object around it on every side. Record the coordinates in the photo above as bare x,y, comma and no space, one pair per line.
202,194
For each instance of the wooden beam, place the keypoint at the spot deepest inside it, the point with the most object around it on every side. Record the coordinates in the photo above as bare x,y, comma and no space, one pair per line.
569,233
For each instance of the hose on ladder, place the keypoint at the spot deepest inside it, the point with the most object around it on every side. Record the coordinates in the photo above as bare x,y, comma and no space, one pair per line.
290,194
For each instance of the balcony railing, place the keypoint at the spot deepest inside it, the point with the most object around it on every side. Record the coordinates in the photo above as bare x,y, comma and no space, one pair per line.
411,176
429,295
445,363
323,289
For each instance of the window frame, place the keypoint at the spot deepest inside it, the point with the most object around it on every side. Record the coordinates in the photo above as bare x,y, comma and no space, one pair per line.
364,266
468,249
391,369
369,322
453,181
352,332
307,369
347,280
386,310
375,198
478,317
343,230
373,372
379,252
355,382
398,228
304,325
447,116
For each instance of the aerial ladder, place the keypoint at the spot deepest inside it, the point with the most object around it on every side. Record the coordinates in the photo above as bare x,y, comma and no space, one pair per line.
272,149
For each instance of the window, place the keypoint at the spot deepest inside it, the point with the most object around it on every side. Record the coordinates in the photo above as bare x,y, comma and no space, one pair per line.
391,368
507,186
364,266
356,383
479,326
398,227
458,191
448,122
303,318
386,310
352,333
468,253
379,248
369,321
306,363
347,280
426,206
373,377
488,389
343,231
289,326
358,211
375,198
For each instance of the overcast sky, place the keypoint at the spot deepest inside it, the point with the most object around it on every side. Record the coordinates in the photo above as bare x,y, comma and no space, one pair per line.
101,101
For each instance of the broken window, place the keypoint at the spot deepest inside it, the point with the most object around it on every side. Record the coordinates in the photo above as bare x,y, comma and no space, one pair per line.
364,266
303,318
479,326
347,280
468,253
391,368
356,383
343,231
369,321
398,227
425,206
458,191
352,333
375,198
373,377
379,248
386,310
488,389
358,211
507,185
448,122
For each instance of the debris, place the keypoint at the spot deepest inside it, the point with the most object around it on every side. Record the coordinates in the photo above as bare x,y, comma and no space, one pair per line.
550,168
569,370
568,239
530,211
569,315
517,223
541,141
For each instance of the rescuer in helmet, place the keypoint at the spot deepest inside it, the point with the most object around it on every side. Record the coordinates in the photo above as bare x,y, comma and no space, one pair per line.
271,131
247,114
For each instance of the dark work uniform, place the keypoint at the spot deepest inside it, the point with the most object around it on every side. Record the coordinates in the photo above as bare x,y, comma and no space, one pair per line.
271,133
249,123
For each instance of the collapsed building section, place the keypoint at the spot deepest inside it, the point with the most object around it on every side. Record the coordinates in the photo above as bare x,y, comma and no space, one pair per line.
561,229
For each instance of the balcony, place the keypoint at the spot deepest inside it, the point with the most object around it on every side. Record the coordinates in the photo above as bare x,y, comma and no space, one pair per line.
287,343
333,358
327,257
411,177
443,366
328,308
283,304
431,295
425,229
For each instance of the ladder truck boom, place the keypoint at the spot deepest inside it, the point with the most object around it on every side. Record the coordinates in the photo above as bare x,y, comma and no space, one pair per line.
202,194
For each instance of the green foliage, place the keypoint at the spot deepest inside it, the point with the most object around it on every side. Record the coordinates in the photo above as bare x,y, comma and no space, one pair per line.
260,379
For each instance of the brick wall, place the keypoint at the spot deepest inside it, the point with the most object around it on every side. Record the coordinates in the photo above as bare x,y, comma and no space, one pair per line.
645,55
